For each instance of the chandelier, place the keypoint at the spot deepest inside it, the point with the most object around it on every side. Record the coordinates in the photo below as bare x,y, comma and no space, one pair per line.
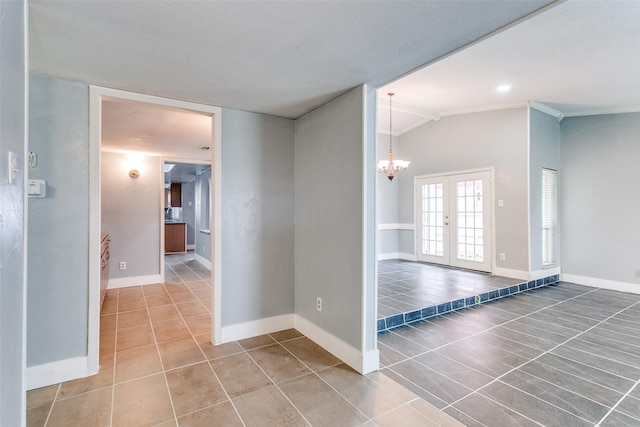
391,167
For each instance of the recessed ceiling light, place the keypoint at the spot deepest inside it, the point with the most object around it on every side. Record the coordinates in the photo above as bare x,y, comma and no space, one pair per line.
503,88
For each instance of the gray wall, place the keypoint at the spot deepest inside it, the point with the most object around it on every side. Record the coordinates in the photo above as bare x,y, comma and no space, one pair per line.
600,203
544,152
13,88
329,210
58,235
257,216
471,141
131,214
203,240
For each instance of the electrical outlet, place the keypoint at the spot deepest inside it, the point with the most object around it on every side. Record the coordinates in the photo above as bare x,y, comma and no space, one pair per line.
319,304
502,257
477,299
123,265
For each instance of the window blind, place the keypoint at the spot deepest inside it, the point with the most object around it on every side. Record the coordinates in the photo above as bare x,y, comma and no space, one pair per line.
549,216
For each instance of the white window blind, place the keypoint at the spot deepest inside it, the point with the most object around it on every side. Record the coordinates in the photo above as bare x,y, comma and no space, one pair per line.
549,216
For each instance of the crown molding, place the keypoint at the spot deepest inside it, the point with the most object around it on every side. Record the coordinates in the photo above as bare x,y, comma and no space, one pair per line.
408,109
544,108
604,111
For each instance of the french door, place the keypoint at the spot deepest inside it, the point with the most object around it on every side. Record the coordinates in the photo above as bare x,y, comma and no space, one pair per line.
453,220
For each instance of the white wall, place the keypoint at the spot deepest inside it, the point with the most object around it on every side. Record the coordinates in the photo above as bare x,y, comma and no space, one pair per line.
544,152
334,235
496,139
131,209
257,218
600,203
58,236
13,91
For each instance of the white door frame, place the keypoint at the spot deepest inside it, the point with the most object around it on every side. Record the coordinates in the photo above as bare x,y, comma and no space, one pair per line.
96,95
492,234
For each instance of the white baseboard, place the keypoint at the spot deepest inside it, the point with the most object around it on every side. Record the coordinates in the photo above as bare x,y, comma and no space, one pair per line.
205,262
390,255
361,362
57,372
515,274
397,255
240,331
126,282
191,247
601,283
541,274
407,257
396,226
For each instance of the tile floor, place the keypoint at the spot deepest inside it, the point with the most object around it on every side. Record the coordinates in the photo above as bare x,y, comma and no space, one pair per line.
563,355
157,367
405,286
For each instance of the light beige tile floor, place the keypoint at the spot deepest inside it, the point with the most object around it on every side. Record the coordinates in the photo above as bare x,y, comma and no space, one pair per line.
158,367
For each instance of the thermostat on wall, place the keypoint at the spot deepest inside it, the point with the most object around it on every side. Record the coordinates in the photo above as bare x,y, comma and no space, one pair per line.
37,188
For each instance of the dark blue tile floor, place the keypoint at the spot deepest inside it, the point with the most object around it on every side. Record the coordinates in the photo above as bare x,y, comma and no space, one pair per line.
411,291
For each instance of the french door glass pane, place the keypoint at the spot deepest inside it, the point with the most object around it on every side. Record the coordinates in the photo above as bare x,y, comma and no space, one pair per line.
433,219
469,213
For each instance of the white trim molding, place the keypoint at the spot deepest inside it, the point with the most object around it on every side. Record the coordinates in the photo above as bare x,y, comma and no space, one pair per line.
601,283
397,255
514,274
205,262
396,226
253,328
127,282
525,275
362,362
544,108
58,372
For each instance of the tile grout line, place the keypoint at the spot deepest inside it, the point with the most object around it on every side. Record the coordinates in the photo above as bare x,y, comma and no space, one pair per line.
206,359
612,409
55,398
537,357
115,347
474,334
274,383
470,336
155,340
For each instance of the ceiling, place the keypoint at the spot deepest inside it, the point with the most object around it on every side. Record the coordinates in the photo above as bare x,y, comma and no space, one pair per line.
288,58
577,58
182,172
156,130
282,58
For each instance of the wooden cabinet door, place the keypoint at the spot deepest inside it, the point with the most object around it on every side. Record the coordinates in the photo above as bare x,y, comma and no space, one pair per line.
176,195
175,238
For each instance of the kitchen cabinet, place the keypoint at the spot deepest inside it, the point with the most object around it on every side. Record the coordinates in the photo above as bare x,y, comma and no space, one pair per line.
104,266
176,195
175,237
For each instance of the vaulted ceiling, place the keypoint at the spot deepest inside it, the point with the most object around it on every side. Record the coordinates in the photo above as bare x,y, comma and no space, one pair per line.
287,58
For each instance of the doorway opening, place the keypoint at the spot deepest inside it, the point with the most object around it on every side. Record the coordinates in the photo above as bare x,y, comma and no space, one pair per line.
99,98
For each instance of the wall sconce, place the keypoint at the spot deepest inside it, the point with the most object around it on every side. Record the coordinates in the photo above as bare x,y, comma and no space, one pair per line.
134,173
